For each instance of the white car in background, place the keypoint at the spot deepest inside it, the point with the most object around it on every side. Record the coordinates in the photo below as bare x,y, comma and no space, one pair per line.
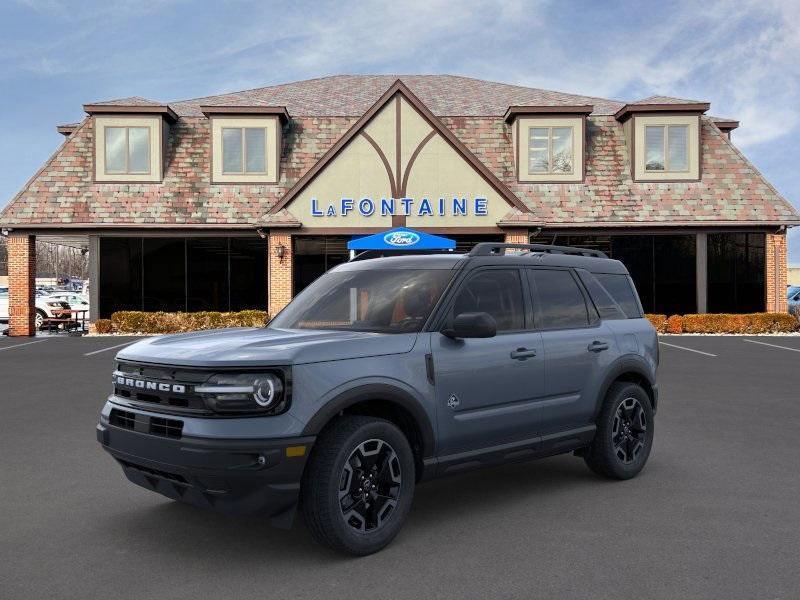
75,300
47,307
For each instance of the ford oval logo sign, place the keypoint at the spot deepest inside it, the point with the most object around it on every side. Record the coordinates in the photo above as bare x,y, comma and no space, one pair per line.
401,239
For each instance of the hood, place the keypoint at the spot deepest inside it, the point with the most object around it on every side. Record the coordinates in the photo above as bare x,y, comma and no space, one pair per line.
238,347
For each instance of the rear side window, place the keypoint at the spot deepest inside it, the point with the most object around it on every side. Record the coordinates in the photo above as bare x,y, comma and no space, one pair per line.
605,304
621,290
497,292
560,300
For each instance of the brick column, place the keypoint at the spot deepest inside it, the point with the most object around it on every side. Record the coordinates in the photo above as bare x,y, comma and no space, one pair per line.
280,271
21,284
775,273
517,236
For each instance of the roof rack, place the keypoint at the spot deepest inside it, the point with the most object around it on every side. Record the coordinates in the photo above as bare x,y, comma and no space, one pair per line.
499,249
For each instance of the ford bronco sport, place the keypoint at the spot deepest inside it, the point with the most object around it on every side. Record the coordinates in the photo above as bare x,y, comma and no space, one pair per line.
385,372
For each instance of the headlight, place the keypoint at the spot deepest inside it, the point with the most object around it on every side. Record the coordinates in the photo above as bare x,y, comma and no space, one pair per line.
244,392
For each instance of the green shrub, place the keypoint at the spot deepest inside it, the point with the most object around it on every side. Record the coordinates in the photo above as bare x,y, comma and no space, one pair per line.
132,321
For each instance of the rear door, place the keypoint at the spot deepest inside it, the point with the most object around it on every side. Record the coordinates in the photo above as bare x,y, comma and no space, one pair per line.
486,389
578,348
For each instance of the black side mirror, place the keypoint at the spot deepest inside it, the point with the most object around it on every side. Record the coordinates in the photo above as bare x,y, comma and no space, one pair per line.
472,325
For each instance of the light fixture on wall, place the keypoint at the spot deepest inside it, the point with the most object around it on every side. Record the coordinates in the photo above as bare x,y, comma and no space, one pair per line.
280,252
261,233
5,231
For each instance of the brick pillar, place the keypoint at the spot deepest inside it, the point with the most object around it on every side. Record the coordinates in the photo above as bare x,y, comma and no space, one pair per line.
775,273
280,271
21,284
517,236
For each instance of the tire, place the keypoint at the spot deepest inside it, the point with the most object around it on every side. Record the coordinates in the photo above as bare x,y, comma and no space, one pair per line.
39,318
624,434
346,510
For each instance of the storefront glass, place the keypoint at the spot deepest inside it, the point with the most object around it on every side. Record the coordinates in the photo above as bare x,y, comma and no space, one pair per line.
736,272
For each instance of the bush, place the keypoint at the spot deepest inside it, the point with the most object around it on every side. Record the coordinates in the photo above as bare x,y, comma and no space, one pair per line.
747,323
103,326
658,321
674,324
131,321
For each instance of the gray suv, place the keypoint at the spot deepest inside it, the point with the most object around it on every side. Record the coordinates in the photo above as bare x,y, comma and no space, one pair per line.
386,372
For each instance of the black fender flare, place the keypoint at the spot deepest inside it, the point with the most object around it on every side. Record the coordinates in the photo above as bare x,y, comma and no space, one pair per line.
623,365
376,391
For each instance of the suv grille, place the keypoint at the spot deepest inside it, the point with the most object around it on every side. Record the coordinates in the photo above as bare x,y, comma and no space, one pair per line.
166,387
170,428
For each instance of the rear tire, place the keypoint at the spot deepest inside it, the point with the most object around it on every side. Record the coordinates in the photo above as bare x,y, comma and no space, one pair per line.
39,318
624,434
358,486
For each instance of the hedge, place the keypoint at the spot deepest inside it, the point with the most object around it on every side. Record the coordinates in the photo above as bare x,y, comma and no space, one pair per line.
726,323
131,321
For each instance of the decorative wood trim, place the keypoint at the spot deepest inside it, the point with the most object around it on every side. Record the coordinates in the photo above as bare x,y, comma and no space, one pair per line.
412,158
131,109
629,109
515,111
279,111
384,160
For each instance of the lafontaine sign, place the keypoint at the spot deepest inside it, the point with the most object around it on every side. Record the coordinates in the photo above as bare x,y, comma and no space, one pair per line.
422,207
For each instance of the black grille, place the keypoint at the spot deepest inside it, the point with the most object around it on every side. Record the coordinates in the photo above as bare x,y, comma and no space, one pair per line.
186,401
148,471
122,418
171,428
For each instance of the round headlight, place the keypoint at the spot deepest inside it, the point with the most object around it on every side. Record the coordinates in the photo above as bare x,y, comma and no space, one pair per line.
266,390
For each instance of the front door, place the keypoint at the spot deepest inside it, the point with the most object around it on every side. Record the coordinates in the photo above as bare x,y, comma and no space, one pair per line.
486,389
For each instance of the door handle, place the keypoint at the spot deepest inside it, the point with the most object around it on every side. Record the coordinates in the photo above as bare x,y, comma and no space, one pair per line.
522,353
597,346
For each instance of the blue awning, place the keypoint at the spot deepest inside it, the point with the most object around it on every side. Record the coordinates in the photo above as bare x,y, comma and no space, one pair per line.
401,238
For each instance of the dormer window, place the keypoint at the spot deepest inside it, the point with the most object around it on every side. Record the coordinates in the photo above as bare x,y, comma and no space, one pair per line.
127,150
244,150
666,148
550,150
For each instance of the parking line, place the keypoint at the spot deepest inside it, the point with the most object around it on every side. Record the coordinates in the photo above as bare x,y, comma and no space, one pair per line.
688,349
19,345
771,345
111,348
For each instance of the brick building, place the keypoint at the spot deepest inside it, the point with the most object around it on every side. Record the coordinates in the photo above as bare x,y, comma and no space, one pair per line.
240,200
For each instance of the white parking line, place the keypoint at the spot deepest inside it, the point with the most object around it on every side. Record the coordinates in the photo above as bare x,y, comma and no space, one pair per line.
688,349
20,345
771,345
110,348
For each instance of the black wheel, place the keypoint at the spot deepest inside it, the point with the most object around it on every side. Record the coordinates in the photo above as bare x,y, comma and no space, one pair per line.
624,433
358,486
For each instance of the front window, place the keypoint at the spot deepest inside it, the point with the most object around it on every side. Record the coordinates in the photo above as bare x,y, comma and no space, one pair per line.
380,301
666,147
127,150
550,150
244,150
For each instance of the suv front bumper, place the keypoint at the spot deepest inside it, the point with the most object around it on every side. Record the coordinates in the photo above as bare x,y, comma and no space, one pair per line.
245,477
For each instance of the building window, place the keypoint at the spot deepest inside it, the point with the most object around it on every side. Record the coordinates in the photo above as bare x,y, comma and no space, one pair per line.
550,150
244,150
736,265
666,148
127,150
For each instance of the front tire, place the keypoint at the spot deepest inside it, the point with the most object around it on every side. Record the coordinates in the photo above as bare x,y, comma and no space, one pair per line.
358,486
624,434
39,318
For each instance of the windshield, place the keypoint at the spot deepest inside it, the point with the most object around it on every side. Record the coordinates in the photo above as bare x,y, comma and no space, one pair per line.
390,301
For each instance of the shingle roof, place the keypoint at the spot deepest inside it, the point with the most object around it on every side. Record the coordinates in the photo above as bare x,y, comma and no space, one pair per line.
665,100
130,101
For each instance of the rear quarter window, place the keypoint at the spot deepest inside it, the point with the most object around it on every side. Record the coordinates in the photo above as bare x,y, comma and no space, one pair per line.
620,288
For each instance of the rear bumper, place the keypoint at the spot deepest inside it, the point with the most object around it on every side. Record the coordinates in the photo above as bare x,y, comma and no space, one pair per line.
245,477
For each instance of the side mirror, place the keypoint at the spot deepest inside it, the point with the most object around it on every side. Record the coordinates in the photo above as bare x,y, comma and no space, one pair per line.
472,325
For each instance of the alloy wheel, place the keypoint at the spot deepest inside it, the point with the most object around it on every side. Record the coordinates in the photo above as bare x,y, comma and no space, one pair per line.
629,433
370,485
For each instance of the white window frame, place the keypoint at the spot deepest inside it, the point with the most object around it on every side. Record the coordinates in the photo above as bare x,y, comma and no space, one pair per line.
244,171
127,129
665,148
550,170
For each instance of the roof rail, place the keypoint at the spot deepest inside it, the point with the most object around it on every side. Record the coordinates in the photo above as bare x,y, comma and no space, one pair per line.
499,249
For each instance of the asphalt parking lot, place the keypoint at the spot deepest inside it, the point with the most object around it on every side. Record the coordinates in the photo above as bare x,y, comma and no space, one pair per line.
715,514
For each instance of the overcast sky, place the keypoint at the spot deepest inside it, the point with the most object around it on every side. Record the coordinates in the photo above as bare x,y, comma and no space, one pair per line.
740,55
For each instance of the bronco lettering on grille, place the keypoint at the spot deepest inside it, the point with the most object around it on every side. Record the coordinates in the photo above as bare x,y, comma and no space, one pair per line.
155,386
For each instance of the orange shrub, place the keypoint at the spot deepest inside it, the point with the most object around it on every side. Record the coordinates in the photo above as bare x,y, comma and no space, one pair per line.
674,324
658,321
747,323
103,326
132,321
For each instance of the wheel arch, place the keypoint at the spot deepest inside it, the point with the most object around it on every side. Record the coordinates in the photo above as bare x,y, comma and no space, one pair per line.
387,402
633,370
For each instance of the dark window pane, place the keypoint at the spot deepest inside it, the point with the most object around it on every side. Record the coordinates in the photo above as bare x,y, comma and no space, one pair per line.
736,272
560,300
496,292
207,274
313,255
621,290
605,304
636,253
674,274
249,273
120,275
164,274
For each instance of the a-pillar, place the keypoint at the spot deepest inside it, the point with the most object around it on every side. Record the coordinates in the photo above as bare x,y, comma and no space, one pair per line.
280,270
21,284
776,273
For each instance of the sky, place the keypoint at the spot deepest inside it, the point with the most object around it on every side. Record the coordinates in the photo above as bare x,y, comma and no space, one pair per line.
742,56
